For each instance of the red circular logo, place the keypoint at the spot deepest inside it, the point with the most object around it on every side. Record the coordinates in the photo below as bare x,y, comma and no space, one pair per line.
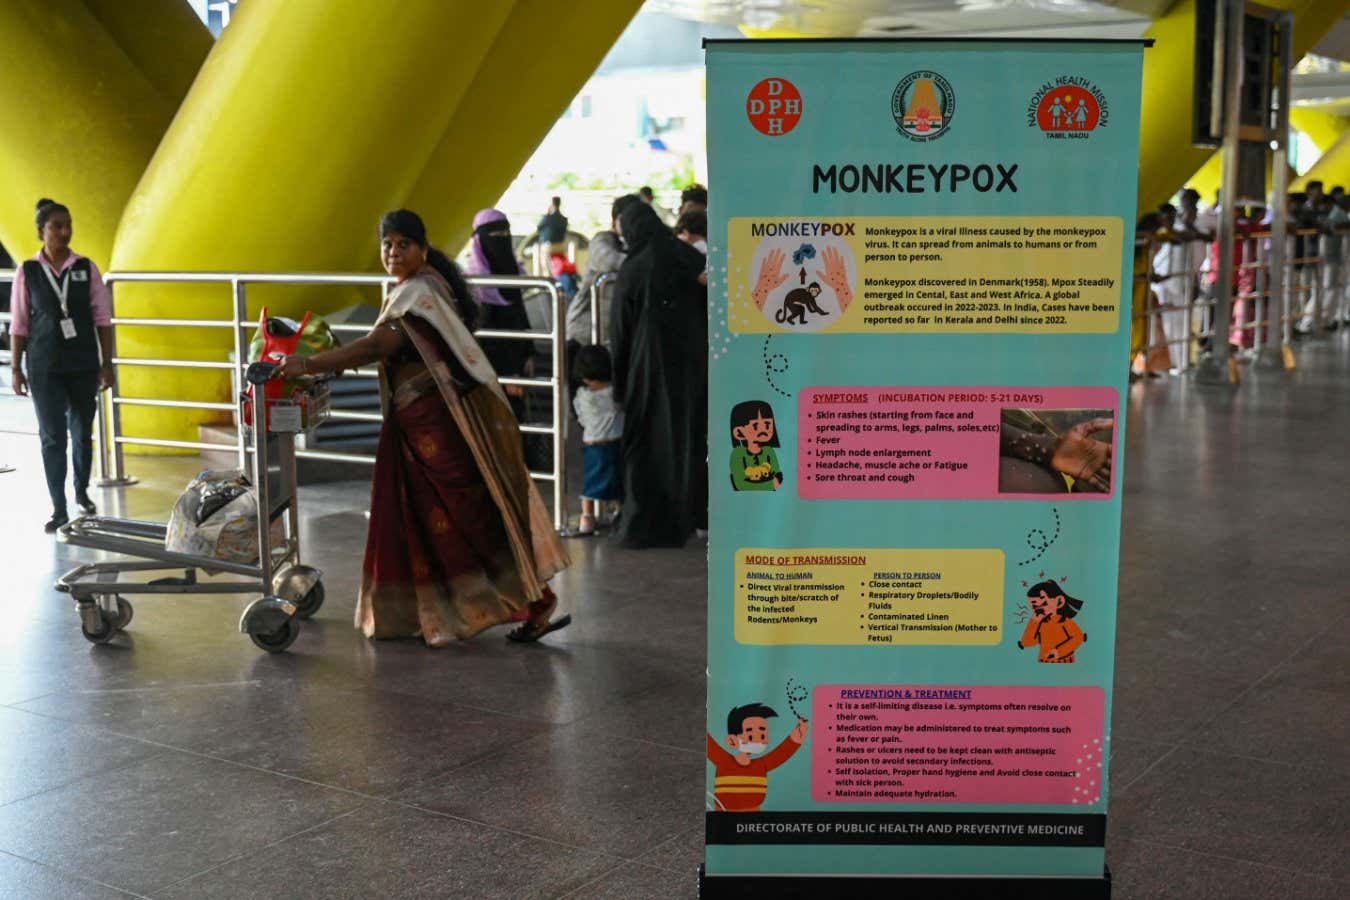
1068,108
774,106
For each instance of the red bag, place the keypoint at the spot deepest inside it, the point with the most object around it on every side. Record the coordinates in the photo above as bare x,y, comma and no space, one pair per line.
275,346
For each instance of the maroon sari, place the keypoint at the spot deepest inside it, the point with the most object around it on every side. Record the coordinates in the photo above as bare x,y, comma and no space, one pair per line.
458,538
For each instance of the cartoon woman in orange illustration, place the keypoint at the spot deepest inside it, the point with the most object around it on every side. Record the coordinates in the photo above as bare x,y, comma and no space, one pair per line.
1052,627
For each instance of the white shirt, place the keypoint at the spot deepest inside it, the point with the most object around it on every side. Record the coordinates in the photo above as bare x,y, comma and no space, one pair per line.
600,419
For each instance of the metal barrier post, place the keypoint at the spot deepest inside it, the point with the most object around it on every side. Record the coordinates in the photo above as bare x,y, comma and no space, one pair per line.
1272,355
597,328
1217,366
239,319
110,429
559,408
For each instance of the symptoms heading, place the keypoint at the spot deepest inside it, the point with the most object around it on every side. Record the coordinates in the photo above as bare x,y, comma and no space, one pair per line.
913,178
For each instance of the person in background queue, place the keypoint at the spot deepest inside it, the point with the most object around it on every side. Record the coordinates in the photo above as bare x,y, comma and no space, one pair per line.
694,199
659,334
648,196
62,328
501,309
459,539
692,228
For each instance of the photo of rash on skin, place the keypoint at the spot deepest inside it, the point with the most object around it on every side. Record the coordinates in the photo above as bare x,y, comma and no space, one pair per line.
1055,451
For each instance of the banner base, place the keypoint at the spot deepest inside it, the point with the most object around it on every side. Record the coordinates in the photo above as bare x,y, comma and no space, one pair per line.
787,887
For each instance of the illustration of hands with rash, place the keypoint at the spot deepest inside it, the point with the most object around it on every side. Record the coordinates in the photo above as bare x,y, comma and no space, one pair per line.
771,277
835,274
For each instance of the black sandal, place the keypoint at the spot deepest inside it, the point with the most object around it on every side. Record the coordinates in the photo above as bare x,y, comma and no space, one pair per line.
529,632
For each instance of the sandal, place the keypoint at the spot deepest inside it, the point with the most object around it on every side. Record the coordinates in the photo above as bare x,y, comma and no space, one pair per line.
586,527
530,632
540,622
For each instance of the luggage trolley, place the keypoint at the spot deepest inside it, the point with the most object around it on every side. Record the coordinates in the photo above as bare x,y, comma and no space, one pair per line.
290,590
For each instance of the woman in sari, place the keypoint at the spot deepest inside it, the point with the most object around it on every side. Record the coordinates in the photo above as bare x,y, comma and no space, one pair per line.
459,539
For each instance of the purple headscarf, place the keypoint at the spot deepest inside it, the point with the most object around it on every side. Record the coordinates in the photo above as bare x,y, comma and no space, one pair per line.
491,255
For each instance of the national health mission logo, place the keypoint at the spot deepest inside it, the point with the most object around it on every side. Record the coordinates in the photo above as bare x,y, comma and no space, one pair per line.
1068,108
923,105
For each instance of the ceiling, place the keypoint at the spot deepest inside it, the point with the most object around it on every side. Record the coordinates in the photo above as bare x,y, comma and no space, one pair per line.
900,18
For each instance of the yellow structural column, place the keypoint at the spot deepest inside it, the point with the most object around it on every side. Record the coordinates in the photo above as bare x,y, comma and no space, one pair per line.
308,121
1332,169
544,56
1322,128
1166,157
82,117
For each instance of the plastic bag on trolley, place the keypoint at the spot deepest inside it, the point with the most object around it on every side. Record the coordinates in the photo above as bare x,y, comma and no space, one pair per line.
216,517
278,337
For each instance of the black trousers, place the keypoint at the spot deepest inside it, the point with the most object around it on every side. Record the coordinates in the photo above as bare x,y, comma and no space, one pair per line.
66,402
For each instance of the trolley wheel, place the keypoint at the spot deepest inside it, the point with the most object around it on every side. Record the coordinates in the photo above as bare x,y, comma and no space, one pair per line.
124,612
106,632
277,641
310,603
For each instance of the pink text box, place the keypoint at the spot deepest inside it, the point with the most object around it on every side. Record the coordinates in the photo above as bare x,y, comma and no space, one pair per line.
847,434
939,744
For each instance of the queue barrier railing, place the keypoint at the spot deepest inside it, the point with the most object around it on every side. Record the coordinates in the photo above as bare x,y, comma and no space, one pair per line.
111,440
1309,293
101,452
602,287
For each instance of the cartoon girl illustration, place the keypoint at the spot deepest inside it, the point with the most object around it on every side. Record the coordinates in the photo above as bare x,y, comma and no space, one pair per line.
1052,627
754,465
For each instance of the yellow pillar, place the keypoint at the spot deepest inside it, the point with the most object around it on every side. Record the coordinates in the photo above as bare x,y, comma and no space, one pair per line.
1332,169
1166,156
82,118
162,38
542,58
307,122
1322,128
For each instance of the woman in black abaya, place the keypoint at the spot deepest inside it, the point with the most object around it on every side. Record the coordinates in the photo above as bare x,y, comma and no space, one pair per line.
659,330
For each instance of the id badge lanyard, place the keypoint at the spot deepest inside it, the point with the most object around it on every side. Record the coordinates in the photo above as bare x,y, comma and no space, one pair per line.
62,289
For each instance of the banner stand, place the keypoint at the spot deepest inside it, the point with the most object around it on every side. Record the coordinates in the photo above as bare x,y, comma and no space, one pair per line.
873,888
923,286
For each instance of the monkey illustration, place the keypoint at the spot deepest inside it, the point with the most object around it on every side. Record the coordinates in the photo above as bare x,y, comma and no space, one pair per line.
796,304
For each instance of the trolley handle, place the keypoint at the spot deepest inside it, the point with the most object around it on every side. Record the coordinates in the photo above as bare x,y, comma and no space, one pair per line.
260,372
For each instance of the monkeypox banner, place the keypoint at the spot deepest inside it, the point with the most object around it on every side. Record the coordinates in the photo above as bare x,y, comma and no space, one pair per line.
919,310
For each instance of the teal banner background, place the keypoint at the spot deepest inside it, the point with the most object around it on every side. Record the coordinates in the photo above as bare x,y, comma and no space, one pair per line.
846,89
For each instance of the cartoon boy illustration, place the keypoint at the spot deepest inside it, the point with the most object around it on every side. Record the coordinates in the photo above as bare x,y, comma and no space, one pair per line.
742,778
1052,627
754,465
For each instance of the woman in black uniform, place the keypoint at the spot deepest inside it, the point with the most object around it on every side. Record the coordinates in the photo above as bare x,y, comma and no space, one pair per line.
62,327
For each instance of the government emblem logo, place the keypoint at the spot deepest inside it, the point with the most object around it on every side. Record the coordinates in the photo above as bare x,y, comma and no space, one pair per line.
923,105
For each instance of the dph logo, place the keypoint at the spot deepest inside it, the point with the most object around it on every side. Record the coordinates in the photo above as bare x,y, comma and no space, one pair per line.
774,106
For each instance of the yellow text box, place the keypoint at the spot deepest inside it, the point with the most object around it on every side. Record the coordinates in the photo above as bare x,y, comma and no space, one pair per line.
877,597
914,274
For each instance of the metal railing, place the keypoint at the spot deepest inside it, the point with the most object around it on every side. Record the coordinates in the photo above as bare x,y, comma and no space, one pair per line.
101,440
112,440
1274,294
603,285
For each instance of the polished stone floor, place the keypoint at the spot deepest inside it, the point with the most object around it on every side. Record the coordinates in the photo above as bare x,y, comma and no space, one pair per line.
181,762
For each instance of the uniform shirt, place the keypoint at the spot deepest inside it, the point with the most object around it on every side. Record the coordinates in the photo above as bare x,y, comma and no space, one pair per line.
100,300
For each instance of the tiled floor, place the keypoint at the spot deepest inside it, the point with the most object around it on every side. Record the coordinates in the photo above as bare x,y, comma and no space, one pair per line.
181,762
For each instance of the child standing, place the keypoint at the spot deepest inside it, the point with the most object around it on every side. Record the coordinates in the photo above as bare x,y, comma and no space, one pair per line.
601,429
